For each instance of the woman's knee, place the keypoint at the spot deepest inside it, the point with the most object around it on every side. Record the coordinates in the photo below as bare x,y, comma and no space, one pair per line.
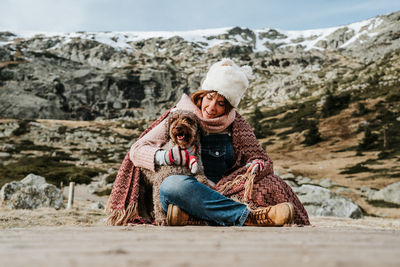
175,185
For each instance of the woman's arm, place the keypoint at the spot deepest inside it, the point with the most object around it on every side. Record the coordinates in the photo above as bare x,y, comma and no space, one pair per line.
247,146
143,151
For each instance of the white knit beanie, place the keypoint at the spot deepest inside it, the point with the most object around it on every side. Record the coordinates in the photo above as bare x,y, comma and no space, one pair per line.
228,79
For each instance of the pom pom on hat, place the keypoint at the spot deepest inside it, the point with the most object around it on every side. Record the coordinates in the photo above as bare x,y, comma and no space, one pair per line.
228,79
247,71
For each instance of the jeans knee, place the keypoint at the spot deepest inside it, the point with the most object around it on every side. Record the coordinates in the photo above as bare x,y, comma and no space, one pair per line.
174,185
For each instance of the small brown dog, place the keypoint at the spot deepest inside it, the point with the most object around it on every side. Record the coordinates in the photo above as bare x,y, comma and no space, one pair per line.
183,129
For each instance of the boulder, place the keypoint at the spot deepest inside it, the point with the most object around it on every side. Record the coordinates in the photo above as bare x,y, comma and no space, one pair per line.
31,193
102,186
389,194
319,201
100,189
4,155
5,54
367,192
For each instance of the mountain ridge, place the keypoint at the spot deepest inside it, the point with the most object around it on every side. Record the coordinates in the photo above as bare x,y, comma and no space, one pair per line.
106,75
113,38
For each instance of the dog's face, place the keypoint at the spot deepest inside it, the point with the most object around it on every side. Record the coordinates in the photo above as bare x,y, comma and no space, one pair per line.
183,128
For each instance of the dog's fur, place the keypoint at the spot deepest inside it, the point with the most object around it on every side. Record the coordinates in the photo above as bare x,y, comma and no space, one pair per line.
180,123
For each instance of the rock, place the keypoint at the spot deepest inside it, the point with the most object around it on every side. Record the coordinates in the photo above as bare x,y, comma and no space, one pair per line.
101,190
288,176
300,180
367,192
101,187
7,147
291,183
7,129
33,180
338,38
389,194
4,155
320,201
327,183
344,190
30,193
111,170
96,206
5,54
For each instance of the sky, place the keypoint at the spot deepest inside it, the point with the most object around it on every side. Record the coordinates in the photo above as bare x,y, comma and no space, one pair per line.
182,15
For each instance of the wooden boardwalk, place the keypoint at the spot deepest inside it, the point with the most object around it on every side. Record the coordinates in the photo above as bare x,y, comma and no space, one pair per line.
199,246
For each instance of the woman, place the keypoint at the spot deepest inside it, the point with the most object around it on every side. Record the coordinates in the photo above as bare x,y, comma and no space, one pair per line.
243,189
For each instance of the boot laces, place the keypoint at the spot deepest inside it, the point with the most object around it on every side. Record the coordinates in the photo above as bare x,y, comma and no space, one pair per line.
194,221
261,216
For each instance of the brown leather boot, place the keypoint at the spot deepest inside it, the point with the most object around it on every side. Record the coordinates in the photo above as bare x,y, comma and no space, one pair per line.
177,217
277,215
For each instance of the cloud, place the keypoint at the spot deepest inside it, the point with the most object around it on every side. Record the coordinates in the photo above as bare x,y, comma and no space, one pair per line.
314,14
152,15
42,15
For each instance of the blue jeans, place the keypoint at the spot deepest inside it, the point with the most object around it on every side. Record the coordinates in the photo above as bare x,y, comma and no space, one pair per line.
201,201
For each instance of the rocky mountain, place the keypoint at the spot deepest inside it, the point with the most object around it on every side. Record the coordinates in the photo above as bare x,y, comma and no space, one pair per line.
86,75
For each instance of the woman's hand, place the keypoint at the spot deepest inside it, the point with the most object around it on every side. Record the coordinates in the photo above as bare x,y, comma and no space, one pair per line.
176,156
255,166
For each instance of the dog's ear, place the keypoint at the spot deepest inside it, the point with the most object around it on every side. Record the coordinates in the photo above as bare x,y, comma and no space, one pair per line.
166,130
168,124
172,117
199,133
200,130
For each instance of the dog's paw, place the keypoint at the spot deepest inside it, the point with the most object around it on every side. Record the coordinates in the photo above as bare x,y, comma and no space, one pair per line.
203,180
161,222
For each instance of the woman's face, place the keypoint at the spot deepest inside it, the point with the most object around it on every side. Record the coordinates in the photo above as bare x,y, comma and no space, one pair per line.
212,105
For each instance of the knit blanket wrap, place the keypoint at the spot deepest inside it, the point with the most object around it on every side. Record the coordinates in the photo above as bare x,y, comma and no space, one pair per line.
127,205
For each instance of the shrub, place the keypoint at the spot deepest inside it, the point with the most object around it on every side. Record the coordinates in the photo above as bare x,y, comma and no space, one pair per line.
393,96
361,110
312,135
373,79
50,168
369,140
333,104
23,128
255,123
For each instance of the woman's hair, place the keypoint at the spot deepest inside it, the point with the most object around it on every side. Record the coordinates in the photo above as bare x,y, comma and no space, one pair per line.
197,98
